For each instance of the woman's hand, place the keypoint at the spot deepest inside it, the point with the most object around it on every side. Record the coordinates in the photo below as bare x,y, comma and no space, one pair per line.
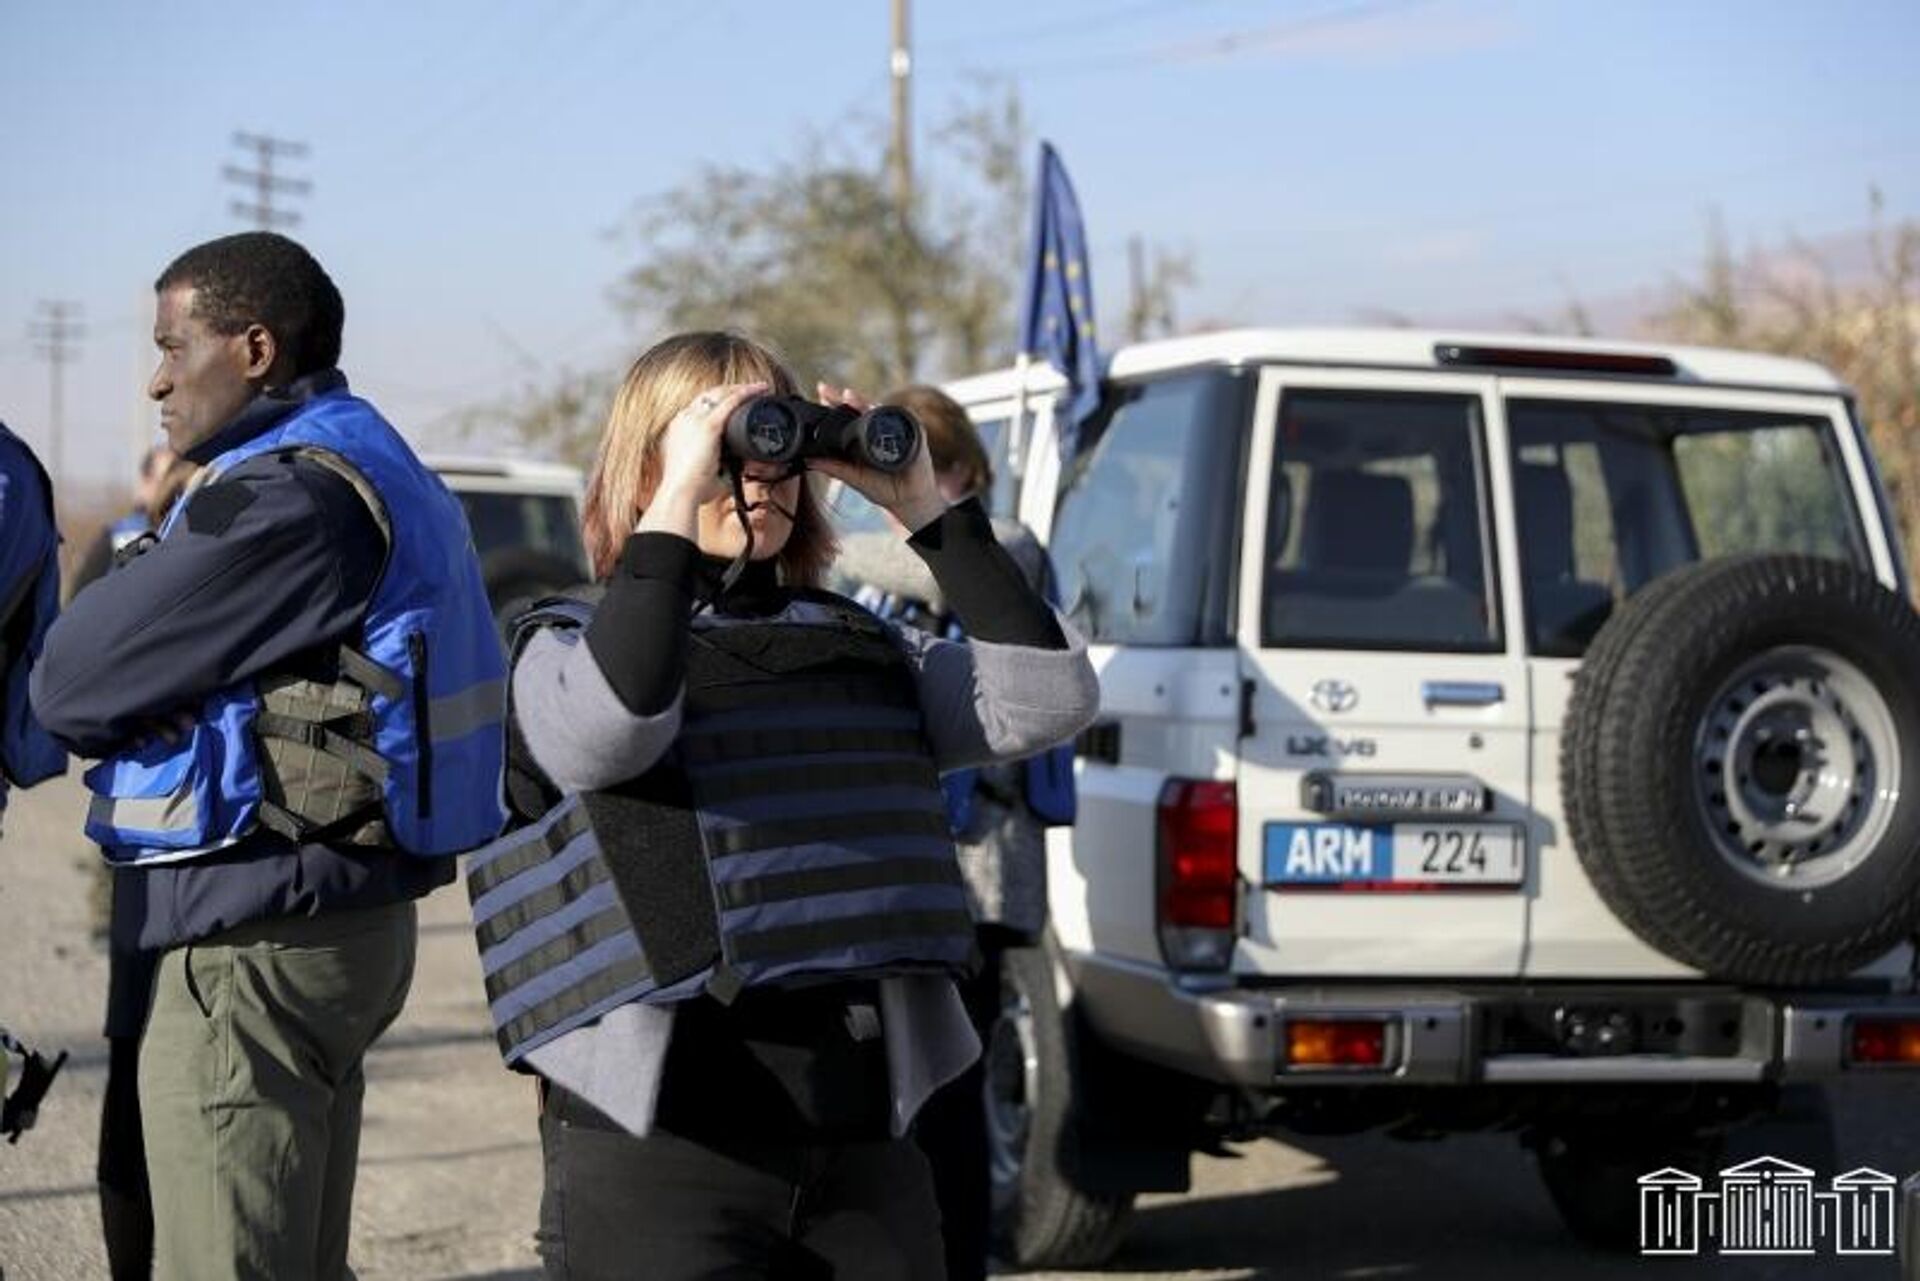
912,496
690,470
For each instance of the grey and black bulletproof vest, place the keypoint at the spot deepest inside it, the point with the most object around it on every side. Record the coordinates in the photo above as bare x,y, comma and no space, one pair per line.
795,832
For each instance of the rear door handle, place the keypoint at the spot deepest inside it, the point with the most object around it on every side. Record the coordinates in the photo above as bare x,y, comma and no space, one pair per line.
1462,693
1099,741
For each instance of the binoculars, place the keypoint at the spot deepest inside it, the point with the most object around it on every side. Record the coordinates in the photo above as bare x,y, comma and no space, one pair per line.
790,429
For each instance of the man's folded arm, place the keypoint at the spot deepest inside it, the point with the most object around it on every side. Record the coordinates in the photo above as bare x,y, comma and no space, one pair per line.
278,556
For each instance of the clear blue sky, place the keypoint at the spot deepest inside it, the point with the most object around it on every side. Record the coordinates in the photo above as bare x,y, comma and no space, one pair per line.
1320,159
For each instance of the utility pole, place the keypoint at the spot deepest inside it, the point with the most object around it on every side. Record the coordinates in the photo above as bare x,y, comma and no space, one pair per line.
901,302
55,334
902,68
1136,290
265,182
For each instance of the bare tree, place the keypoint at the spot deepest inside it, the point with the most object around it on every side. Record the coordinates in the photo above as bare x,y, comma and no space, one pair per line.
815,256
1798,304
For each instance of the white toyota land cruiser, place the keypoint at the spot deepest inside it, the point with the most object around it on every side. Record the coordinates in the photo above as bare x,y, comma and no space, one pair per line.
1495,732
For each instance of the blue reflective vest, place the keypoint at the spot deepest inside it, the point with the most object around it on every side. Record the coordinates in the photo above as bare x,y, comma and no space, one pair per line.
428,668
794,832
29,602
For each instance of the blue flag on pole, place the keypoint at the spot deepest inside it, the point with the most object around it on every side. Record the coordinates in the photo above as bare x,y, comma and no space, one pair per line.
1056,324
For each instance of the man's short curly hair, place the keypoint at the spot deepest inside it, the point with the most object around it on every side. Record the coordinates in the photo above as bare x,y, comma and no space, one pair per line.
263,278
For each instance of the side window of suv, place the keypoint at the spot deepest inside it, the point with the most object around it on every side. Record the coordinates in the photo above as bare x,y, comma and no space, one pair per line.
1610,496
1138,527
993,435
1377,534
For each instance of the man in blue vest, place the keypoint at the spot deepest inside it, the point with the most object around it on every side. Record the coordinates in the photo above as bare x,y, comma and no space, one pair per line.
29,600
296,697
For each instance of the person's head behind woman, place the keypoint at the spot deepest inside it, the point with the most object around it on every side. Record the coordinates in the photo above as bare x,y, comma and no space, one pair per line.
659,385
960,461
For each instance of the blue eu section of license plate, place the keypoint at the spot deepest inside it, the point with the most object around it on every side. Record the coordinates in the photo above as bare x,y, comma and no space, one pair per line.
1393,855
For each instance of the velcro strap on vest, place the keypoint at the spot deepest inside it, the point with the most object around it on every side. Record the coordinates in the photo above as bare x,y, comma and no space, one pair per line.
736,652
539,905
650,840
890,689
596,929
333,736
781,833
369,675
777,887
851,931
277,818
719,789
525,1026
527,849
741,744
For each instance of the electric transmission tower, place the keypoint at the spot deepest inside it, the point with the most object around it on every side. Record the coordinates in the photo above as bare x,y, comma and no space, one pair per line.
264,182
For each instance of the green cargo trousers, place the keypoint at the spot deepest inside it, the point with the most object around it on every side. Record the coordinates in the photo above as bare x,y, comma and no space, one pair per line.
251,1085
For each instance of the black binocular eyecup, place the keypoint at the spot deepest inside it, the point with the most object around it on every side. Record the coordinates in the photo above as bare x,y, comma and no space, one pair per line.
790,429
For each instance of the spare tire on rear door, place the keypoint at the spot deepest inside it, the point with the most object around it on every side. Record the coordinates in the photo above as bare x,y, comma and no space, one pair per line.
1741,767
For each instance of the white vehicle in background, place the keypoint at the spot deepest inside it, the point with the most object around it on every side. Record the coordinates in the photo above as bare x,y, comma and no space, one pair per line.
1409,809
525,518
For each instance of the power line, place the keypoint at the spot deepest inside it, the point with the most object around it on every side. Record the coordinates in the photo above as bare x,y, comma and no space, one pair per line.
1223,45
55,337
540,83
265,182
1103,22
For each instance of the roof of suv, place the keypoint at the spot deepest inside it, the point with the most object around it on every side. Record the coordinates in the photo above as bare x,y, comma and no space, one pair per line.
1410,349
505,475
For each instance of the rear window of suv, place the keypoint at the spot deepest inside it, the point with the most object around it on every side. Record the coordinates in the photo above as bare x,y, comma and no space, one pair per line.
1611,496
1377,533
546,523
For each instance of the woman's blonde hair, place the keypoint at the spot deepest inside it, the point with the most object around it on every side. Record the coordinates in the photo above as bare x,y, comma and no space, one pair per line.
659,385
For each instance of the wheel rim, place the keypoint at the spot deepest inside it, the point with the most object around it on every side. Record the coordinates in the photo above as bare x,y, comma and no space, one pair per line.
1796,768
1012,1080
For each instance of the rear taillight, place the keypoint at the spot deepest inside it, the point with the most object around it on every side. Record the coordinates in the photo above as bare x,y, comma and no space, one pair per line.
1336,1043
1883,1041
1198,868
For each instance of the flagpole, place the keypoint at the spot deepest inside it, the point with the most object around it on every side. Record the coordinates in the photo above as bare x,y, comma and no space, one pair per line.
1017,429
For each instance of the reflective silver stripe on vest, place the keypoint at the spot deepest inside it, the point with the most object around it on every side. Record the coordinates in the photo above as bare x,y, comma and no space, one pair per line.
479,706
177,813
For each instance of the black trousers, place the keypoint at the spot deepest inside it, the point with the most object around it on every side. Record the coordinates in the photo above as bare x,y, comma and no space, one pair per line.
667,1208
952,1126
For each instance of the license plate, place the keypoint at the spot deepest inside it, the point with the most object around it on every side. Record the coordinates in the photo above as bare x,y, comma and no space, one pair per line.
1388,856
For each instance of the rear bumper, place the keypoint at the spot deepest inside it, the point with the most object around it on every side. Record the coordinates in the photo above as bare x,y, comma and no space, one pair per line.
1436,1035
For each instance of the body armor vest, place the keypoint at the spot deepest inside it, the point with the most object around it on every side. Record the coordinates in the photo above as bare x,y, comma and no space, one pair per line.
794,832
404,746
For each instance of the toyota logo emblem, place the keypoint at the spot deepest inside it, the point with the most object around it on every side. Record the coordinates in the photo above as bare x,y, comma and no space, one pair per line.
1334,696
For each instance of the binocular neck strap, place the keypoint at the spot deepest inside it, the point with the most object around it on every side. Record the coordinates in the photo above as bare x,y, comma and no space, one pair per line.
736,475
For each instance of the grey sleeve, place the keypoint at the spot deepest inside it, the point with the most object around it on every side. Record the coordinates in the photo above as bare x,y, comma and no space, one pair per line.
576,728
987,702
